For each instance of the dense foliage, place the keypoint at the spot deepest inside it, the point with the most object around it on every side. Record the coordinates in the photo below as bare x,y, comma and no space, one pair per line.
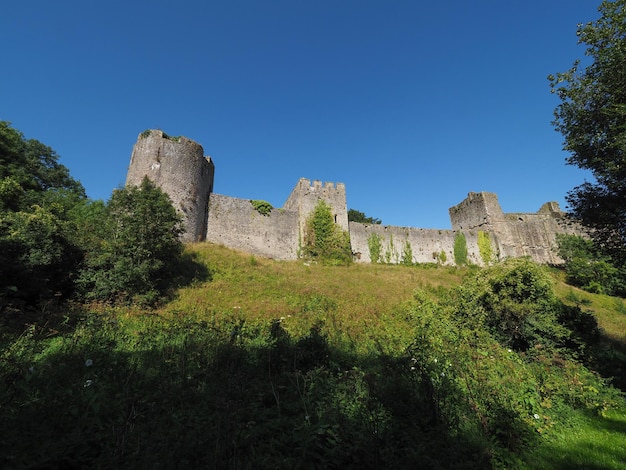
324,240
55,243
589,268
38,252
592,118
358,216
136,248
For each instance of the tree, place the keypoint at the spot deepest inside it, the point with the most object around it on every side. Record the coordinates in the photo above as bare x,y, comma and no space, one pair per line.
33,166
592,119
358,216
137,248
587,267
38,255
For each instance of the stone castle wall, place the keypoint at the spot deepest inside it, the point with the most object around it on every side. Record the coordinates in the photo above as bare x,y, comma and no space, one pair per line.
180,169
421,245
515,234
237,224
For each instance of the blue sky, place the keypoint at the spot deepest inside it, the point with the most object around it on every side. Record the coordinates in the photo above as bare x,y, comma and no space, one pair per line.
411,104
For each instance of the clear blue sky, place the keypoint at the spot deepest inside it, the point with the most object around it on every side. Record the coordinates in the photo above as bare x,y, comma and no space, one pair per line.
411,104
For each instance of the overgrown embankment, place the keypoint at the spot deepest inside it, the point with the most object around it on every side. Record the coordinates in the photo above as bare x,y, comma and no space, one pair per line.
286,365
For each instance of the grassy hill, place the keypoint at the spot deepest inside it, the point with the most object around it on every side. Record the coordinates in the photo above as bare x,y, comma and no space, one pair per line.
266,364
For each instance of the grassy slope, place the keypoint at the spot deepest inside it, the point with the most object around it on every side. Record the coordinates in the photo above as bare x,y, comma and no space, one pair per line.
361,310
359,300
368,300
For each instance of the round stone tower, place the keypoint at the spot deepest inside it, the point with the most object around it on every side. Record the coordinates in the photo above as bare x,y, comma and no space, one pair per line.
178,166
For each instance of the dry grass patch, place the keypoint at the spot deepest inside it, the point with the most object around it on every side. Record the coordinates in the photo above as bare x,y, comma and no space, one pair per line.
350,301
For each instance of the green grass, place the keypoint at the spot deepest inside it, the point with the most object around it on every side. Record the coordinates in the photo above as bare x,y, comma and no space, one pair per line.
583,441
269,364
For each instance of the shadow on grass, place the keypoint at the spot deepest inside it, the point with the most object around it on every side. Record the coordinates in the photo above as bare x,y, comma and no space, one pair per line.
190,269
609,360
181,394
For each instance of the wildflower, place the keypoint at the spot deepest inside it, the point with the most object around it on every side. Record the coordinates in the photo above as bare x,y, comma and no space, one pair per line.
536,416
89,363
88,383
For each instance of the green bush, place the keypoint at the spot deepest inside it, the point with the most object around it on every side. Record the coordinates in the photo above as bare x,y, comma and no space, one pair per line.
262,207
586,267
137,247
515,301
498,358
324,240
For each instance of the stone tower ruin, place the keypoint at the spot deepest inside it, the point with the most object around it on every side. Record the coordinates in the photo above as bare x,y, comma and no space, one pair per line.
306,195
178,166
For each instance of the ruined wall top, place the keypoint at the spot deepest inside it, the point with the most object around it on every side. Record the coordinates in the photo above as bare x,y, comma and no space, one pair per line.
482,211
476,210
306,194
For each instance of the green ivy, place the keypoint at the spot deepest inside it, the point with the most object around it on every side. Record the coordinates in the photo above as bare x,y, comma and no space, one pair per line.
460,249
484,247
407,254
375,245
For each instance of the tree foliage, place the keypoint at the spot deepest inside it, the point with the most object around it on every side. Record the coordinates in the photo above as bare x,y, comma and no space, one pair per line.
56,243
588,267
133,255
358,216
592,119
38,254
32,166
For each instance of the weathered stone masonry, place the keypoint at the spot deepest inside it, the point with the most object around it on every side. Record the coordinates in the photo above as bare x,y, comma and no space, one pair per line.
179,167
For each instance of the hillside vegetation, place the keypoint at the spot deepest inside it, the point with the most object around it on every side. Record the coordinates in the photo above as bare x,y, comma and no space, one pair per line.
265,364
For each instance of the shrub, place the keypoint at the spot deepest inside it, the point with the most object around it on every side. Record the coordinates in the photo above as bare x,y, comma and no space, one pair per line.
262,207
586,267
137,248
324,239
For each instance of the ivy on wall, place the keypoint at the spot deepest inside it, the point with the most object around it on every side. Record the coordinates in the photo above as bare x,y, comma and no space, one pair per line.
324,239
407,254
375,245
485,247
460,249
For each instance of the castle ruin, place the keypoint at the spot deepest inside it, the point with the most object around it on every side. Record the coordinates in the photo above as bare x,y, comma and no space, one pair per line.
178,166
